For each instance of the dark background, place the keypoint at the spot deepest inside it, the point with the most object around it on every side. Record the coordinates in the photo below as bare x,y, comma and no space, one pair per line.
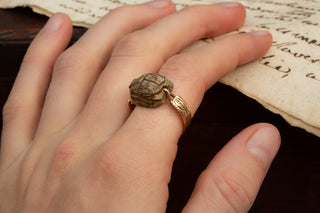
293,182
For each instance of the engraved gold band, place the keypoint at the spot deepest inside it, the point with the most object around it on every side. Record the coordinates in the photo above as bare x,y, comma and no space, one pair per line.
182,107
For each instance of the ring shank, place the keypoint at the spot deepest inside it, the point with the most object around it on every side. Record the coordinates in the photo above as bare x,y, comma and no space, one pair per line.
182,107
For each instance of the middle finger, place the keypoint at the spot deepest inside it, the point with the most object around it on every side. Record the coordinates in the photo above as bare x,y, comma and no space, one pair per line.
145,51
77,69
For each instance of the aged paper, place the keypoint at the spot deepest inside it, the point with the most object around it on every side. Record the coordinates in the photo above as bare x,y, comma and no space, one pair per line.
286,80
83,12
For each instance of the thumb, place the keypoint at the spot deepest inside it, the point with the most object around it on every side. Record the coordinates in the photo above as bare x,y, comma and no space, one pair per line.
233,178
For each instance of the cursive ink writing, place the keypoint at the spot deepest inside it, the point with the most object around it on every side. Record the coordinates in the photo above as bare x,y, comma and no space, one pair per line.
284,47
81,10
306,39
267,61
312,76
80,1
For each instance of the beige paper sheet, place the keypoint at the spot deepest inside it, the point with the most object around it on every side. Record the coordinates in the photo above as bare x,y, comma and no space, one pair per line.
286,80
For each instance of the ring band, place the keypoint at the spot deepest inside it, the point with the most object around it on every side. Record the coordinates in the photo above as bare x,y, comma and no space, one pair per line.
152,90
182,107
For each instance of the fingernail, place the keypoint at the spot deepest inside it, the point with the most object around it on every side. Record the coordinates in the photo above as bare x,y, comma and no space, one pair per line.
159,3
259,33
53,23
264,144
229,4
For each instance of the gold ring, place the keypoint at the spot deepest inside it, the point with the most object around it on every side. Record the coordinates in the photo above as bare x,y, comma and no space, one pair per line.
181,106
152,90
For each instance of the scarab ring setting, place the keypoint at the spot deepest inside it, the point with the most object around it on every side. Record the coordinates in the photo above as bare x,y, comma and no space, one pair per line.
152,90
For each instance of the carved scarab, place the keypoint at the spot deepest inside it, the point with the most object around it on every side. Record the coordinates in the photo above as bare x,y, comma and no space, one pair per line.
149,90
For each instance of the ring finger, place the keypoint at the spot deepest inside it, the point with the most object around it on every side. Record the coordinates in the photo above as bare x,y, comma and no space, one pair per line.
192,73
145,51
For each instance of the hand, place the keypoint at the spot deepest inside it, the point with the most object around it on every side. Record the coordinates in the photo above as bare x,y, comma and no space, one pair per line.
70,143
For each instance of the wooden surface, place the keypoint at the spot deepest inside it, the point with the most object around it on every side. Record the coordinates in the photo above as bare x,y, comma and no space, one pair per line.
293,182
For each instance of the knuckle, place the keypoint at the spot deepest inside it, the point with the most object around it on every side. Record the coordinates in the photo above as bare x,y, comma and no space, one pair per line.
183,68
233,186
12,108
132,44
28,60
107,163
114,163
201,14
181,64
195,9
119,11
69,63
63,156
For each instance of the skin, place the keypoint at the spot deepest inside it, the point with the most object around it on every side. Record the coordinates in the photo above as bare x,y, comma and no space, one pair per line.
70,143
